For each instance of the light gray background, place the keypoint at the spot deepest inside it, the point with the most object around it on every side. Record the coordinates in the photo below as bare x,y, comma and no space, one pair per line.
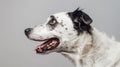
16,15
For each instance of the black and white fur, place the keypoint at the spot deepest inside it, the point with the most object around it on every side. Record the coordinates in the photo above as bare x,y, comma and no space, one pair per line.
84,45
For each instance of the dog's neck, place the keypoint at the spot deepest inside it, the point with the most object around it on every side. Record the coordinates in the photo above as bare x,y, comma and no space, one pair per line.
83,50
78,48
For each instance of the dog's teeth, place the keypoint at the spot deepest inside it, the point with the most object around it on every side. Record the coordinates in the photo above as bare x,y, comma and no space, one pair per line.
49,47
51,44
54,42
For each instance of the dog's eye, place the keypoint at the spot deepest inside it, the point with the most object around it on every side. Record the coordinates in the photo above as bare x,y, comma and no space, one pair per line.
52,22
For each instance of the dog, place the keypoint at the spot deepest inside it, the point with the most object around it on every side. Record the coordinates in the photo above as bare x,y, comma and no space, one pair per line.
71,34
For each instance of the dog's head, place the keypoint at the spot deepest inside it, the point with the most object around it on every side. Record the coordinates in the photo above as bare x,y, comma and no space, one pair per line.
58,30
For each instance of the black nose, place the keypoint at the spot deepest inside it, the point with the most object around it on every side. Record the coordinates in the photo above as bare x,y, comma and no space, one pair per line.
28,31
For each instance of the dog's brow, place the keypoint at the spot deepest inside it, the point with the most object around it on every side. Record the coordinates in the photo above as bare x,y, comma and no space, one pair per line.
53,17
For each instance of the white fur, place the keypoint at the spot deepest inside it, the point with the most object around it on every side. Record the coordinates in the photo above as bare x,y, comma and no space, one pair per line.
104,51
85,50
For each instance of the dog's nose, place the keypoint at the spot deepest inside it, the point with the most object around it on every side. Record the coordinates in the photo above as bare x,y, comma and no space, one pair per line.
28,31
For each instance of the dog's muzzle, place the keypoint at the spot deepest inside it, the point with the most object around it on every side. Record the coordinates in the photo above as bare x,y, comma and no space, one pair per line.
47,45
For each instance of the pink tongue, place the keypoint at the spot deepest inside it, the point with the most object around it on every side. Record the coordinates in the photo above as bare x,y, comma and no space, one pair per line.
40,46
46,45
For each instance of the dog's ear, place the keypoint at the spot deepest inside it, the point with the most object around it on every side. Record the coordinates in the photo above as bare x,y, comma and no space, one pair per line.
79,15
81,20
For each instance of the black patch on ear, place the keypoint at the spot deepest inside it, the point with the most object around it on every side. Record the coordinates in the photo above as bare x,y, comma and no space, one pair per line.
81,21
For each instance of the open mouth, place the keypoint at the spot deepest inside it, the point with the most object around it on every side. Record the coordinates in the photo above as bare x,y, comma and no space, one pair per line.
49,44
